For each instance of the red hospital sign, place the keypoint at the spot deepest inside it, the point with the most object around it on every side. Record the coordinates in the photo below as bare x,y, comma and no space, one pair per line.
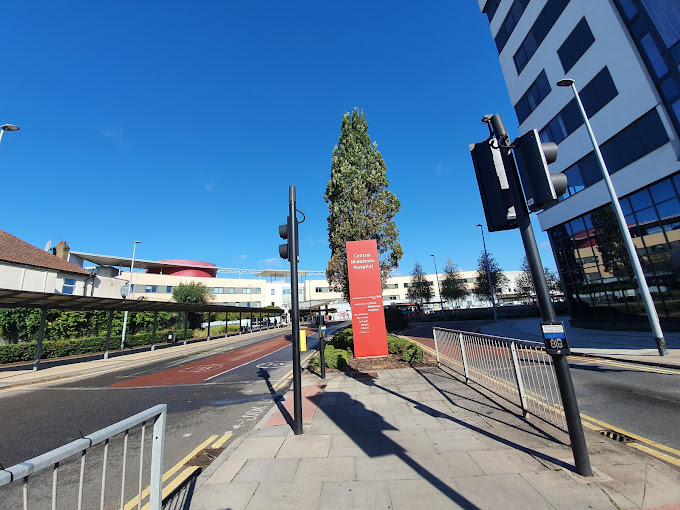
365,290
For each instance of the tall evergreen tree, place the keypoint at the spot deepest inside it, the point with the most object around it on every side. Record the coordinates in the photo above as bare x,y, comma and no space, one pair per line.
360,206
419,290
452,286
498,278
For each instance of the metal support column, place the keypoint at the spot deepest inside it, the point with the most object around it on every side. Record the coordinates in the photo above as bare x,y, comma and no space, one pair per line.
41,335
208,337
239,323
108,335
571,411
186,319
155,327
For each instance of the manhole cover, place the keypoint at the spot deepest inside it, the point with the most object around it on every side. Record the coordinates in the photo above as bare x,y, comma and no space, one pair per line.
205,457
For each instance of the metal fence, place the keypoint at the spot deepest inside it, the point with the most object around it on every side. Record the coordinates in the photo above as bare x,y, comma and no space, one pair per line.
519,371
32,470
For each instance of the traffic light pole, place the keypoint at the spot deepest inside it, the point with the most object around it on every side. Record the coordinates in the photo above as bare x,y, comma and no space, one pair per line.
294,311
566,386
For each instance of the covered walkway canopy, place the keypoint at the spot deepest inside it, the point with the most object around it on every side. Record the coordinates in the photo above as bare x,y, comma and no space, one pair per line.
48,301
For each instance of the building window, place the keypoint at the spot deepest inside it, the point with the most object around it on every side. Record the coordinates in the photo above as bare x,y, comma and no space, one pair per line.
654,55
574,46
536,93
509,23
286,292
490,9
169,289
392,286
218,290
149,289
638,139
407,285
594,265
245,290
69,286
273,293
544,22
597,93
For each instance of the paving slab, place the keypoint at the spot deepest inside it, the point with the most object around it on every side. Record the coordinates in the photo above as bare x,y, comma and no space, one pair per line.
305,446
227,471
385,467
258,448
285,496
501,491
330,469
410,494
372,495
224,495
563,492
506,461
267,470
456,440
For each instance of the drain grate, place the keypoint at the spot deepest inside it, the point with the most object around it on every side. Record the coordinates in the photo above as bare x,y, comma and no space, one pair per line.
205,457
617,436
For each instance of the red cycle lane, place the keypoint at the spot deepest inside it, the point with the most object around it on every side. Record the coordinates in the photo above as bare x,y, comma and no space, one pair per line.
202,370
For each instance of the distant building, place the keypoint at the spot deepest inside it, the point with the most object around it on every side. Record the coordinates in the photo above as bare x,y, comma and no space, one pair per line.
25,267
624,56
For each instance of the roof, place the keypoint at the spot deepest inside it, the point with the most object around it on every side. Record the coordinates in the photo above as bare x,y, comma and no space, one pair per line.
23,299
13,249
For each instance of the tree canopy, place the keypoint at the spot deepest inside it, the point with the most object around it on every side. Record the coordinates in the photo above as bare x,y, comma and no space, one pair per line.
498,278
359,203
525,284
192,292
452,286
419,290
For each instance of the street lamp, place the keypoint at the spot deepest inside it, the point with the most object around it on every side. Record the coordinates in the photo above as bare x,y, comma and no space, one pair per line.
441,302
7,127
488,273
632,252
132,266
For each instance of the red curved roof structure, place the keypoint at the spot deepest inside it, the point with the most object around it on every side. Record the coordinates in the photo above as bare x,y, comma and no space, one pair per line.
190,268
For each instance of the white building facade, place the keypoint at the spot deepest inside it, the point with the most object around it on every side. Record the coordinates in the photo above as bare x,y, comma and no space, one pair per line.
624,57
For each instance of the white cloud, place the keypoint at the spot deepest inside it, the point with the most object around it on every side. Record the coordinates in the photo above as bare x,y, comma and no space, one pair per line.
272,262
544,245
116,136
243,257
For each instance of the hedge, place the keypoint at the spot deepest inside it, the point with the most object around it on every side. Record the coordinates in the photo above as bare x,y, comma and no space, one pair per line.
14,353
409,351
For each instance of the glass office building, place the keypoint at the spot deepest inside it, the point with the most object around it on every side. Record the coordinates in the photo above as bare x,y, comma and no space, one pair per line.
624,56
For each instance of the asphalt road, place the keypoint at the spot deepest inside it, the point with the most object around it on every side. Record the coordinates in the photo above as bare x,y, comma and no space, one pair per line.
224,390
639,399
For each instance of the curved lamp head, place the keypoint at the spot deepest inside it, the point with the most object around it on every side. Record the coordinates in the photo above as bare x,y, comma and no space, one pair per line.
565,82
9,127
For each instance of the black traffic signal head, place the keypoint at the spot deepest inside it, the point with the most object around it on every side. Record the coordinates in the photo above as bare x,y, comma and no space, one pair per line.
493,185
533,157
285,233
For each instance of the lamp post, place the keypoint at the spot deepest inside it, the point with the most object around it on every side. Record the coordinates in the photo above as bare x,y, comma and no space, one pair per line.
132,266
441,302
632,252
488,273
7,127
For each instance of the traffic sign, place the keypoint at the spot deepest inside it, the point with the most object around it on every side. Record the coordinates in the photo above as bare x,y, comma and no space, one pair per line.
555,338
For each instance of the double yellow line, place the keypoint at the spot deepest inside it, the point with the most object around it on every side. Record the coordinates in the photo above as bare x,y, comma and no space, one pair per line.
180,479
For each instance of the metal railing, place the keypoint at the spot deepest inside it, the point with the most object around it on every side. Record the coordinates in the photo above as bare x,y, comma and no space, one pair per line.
519,371
30,469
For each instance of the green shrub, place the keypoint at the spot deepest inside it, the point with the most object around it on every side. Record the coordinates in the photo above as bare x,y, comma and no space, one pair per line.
335,358
409,351
395,319
343,339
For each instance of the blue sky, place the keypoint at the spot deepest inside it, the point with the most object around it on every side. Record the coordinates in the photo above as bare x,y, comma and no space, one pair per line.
182,124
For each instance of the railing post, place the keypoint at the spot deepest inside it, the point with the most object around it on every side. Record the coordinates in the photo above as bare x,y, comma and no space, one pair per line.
518,379
208,337
462,351
186,319
436,349
157,446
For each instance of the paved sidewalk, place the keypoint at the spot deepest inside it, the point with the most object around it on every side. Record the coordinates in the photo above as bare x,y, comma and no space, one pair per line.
421,439
624,345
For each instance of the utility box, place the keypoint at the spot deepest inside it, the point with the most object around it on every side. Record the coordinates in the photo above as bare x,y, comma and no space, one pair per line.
172,336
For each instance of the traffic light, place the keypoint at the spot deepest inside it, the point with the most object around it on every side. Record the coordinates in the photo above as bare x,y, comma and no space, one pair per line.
493,186
533,157
285,249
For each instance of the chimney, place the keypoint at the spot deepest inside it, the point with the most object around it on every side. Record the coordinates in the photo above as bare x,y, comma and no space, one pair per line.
61,250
